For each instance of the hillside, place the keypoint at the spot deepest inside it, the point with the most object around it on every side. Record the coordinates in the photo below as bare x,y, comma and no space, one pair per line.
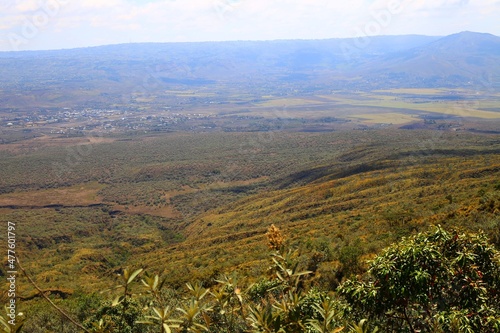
116,75
177,159
339,190
463,58
366,200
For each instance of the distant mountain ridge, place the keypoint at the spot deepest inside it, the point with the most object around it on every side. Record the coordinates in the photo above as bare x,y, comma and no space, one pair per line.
459,59
466,59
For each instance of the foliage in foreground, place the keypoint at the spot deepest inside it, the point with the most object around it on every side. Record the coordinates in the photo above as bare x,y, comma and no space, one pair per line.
436,282
432,282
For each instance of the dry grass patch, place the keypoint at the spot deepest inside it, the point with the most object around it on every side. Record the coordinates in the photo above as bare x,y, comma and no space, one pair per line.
386,118
77,195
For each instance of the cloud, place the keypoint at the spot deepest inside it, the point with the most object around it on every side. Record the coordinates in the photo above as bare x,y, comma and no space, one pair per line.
116,21
27,6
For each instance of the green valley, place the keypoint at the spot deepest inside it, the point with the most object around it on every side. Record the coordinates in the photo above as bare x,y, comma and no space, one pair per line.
252,187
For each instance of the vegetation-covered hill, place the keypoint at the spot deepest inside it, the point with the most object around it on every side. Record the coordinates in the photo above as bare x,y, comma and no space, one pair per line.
129,75
195,206
202,209
167,163
463,57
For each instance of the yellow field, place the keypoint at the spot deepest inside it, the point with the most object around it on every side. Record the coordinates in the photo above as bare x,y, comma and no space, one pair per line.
415,91
78,195
386,108
287,102
469,108
189,93
458,109
385,118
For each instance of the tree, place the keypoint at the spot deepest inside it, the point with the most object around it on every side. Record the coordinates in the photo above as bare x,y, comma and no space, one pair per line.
436,281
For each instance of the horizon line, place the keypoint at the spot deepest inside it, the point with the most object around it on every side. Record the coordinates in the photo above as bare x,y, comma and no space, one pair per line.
243,41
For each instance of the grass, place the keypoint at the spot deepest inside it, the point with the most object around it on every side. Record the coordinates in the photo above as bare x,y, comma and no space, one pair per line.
285,102
202,202
368,108
457,109
387,118
196,205
414,100
78,195
415,91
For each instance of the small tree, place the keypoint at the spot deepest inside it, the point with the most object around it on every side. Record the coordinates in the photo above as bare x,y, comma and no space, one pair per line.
285,306
432,282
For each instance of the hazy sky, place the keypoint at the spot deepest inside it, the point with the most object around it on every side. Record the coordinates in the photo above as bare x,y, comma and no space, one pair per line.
54,24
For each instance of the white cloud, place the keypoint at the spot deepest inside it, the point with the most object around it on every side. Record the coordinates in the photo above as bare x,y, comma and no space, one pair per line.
97,21
99,4
27,6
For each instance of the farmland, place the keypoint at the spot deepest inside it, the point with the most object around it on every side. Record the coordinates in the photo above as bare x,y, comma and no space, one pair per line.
183,179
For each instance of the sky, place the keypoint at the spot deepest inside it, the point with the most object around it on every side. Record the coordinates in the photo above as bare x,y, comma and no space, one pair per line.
62,24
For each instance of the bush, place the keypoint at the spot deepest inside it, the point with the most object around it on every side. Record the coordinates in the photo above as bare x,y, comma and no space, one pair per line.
434,281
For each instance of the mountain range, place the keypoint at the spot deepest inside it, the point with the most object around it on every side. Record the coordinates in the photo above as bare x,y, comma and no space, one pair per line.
465,59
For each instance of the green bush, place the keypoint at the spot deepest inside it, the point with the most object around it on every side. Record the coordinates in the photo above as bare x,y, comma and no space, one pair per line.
435,282
432,282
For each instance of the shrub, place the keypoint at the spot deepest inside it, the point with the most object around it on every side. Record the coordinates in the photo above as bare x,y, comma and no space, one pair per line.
434,280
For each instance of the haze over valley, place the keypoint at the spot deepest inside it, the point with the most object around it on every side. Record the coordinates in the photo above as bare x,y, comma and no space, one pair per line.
156,166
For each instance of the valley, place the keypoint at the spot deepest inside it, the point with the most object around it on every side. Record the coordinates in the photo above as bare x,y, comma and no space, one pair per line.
201,197
178,158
